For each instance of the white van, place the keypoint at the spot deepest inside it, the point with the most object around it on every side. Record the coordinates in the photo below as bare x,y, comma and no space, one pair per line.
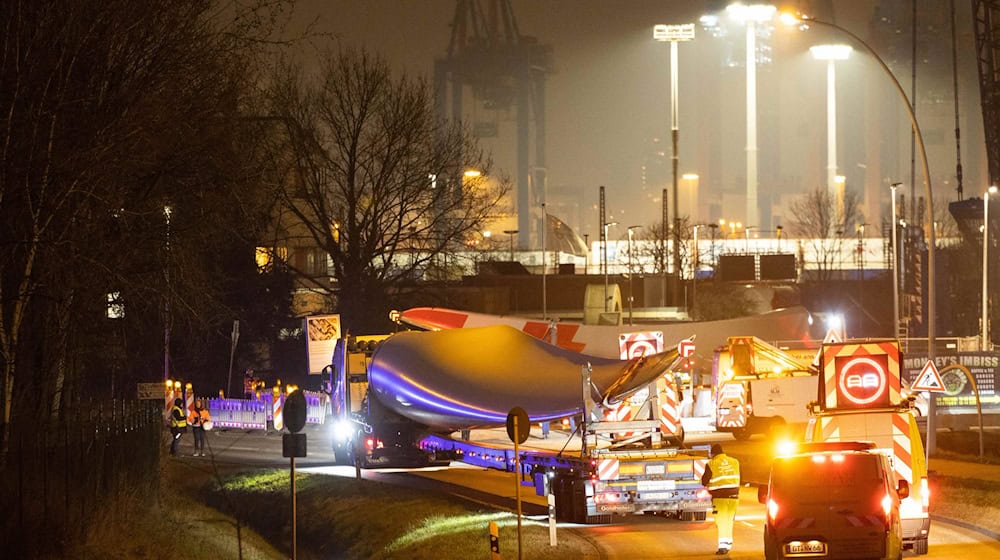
833,500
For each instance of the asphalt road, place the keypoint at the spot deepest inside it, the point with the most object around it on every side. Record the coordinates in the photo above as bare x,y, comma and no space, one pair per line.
631,538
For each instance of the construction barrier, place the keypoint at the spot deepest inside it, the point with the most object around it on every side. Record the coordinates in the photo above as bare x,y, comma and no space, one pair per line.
255,414
277,406
242,414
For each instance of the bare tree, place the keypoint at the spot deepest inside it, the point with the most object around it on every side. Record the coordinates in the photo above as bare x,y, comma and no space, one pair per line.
376,180
112,112
824,224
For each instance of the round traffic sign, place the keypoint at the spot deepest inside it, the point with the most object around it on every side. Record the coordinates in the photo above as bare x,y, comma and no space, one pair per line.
863,381
518,425
295,411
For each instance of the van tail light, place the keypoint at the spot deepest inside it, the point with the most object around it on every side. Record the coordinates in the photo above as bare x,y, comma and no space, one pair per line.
925,494
772,509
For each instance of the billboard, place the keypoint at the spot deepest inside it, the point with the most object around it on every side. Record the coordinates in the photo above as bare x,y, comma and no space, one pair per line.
322,332
958,396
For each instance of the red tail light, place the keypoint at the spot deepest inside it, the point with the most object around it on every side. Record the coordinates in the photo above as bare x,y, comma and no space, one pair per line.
772,509
370,443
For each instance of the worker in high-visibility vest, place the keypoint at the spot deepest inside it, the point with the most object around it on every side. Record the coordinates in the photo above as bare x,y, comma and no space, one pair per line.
199,419
722,478
178,424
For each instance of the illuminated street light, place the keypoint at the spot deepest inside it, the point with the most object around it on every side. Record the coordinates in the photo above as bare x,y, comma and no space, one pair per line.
692,181
839,188
986,248
751,15
831,54
804,23
605,248
673,34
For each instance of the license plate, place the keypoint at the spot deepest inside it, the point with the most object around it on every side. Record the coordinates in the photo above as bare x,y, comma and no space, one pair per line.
810,547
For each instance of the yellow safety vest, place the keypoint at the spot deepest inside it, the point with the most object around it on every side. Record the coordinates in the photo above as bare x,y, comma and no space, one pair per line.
177,419
725,472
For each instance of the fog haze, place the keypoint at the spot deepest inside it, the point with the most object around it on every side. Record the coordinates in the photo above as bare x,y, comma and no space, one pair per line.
608,106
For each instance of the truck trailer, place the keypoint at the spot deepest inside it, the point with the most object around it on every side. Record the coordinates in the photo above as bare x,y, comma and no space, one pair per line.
412,398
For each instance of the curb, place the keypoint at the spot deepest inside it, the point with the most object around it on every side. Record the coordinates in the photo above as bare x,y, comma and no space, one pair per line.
965,525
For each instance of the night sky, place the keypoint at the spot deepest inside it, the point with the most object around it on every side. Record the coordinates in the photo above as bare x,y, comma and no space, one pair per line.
609,98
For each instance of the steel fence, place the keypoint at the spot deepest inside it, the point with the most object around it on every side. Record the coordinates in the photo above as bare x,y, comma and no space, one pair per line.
56,477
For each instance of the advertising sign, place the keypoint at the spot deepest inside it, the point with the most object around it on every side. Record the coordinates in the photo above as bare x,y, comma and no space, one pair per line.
322,332
957,396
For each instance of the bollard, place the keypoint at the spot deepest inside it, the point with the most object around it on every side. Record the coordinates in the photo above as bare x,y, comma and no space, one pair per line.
494,541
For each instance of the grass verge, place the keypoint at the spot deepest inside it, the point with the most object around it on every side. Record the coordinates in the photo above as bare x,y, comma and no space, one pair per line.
346,518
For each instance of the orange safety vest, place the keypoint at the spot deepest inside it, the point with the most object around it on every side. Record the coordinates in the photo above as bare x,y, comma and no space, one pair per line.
199,417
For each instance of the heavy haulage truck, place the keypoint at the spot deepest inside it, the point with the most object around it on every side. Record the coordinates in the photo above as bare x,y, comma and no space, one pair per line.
400,400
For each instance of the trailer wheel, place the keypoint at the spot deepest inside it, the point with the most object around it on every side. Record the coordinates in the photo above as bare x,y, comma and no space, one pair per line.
692,516
920,547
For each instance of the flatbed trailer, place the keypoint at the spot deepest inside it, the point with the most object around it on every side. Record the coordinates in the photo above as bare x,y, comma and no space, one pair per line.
592,489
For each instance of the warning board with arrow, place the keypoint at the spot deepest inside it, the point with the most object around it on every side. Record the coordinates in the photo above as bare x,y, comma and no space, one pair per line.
929,379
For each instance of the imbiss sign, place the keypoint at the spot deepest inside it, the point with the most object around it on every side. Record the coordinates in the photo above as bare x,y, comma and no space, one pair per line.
958,396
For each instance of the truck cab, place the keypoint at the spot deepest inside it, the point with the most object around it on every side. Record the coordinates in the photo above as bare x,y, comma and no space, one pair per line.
364,432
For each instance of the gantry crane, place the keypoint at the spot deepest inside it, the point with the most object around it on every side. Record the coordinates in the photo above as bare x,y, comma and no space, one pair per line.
501,68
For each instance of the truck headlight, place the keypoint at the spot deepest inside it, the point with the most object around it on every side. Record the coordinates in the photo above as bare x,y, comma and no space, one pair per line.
342,430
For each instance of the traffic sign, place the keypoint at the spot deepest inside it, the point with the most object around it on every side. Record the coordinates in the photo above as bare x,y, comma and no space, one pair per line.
685,348
832,337
929,379
518,425
639,344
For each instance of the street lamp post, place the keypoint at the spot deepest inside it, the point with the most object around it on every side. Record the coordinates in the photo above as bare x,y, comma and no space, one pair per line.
986,248
929,193
695,257
630,271
751,15
674,34
895,265
746,232
545,224
831,53
511,233
605,262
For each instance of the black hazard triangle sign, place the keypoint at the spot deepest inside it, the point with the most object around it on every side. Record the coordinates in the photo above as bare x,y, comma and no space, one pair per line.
929,379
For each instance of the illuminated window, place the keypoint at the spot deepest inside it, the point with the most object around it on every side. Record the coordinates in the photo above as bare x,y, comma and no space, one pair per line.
266,256
115,308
